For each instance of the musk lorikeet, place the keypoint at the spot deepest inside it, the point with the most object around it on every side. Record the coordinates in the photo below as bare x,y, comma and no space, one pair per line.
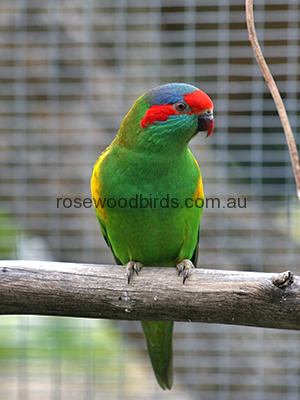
150,159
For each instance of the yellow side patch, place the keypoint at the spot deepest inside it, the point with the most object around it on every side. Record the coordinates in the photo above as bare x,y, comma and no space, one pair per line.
96,185
199,190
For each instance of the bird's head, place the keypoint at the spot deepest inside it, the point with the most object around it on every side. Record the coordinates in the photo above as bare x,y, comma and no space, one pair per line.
170,115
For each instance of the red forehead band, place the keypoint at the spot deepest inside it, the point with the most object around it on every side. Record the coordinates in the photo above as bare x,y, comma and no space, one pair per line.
198,101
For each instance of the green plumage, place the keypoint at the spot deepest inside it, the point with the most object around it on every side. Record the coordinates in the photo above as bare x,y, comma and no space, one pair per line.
159,337
151,163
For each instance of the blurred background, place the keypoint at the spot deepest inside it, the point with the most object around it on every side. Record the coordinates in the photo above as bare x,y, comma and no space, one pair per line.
69,72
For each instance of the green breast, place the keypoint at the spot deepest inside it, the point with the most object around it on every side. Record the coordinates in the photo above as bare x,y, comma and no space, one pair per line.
149,218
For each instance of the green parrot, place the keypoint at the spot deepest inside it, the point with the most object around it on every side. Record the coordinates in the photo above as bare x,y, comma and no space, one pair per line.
148,195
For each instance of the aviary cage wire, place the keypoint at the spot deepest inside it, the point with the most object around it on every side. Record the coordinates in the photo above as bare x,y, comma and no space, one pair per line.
69,72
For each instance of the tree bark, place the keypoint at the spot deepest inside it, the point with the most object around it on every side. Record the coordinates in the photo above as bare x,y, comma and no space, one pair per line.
101,291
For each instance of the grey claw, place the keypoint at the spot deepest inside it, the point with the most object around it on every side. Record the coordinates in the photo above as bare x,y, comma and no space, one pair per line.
186,266
186,275
128,276
180,268
132,266
136,268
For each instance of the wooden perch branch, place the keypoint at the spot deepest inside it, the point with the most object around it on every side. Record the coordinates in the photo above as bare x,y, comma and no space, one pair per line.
101,291
275,94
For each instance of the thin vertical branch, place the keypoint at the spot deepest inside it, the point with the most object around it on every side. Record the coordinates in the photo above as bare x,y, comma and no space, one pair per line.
275,94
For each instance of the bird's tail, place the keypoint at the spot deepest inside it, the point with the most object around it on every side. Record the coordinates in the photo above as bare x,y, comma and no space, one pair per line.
159,337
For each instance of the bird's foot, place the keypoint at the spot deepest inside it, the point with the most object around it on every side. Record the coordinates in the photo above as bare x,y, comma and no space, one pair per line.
131,267
186,266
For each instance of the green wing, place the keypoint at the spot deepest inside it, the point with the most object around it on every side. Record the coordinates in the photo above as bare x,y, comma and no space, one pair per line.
104,233
194,258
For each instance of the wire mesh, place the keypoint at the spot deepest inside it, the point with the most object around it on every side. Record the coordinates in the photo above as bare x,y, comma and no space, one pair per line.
69,72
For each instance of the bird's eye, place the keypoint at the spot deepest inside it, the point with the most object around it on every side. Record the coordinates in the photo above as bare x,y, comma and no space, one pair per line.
180,106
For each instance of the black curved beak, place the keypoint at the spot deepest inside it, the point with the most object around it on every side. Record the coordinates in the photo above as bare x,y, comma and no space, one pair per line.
206,122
